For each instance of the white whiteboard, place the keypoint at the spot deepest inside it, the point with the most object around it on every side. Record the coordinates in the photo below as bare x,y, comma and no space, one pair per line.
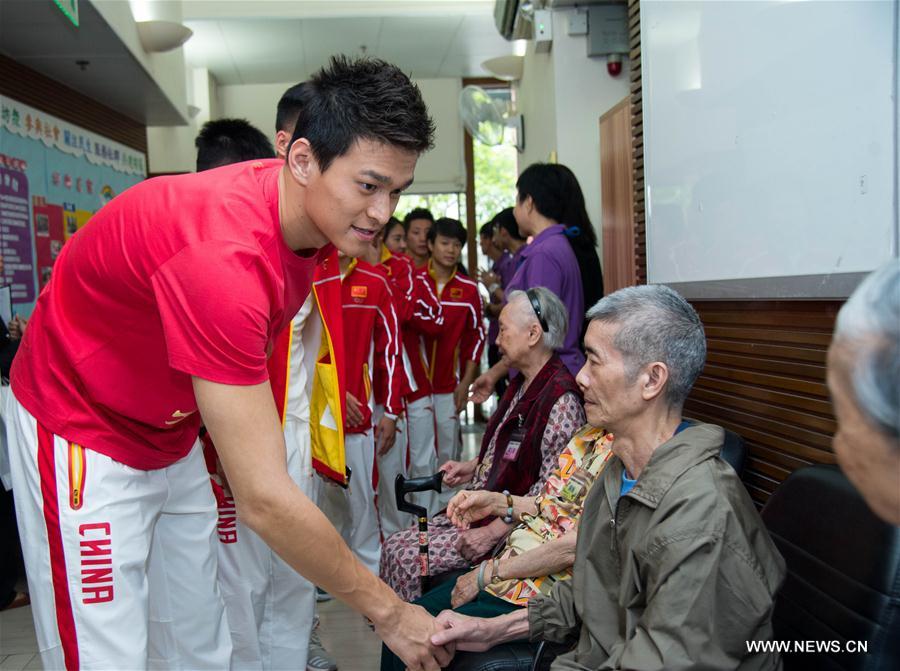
770,141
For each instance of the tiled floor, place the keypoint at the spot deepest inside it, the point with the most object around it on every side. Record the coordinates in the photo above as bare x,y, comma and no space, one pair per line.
18,646
345,634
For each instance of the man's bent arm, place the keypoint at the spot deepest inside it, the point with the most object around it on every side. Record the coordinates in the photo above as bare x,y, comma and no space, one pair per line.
243,423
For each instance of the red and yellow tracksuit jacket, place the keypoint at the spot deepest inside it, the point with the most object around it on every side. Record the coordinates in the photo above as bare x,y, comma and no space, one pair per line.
460,338
371,340
420,315
327,393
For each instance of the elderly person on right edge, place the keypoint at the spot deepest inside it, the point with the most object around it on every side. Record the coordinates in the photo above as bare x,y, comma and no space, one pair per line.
864,380
673,566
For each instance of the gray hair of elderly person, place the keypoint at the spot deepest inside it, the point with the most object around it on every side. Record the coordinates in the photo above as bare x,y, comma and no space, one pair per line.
870,320
656,324
552,310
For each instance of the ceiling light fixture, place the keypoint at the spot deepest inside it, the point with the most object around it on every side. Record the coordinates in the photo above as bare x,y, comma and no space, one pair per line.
507,68
160,36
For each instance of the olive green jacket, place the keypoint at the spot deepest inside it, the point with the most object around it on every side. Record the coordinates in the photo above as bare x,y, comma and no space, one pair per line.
679,573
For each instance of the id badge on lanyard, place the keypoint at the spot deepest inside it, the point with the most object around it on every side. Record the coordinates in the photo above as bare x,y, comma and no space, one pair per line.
511,453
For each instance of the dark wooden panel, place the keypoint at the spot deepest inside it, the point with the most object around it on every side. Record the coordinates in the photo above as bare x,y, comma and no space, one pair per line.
34,89
778,397
788,338
800,418
765,379
767,349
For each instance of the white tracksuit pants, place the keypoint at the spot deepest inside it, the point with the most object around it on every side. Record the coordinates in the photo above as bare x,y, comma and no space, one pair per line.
121,562
449,443
389,466
363,532
422,449
270,606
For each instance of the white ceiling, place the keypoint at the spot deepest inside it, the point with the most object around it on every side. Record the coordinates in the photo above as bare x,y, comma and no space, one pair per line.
266,42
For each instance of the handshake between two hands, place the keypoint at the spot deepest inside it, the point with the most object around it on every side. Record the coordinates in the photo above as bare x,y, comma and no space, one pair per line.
427,643
449,631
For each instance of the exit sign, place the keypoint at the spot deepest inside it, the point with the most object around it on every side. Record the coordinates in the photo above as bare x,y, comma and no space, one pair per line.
69,8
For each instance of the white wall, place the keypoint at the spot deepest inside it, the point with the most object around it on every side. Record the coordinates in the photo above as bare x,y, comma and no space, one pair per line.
171,148
440,170
166,69
563,94
536,101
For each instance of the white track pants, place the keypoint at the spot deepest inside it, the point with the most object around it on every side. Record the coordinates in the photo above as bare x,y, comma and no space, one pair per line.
270,606
449,444
363,533
108,548
389,466
422,449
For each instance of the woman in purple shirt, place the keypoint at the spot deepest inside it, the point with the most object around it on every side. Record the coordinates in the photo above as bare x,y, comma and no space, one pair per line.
562,255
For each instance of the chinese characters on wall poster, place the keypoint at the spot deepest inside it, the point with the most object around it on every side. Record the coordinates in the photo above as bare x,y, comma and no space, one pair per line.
53,177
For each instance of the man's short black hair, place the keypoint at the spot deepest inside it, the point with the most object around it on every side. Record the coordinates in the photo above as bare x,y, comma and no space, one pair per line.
449,228
417,213
506,220
365,98
289,108
226,141
487,230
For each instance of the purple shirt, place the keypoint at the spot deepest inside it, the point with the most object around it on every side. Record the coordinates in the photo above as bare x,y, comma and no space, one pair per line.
550,262
504,268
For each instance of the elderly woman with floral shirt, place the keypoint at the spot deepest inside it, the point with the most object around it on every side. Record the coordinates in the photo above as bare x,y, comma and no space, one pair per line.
538,553
537,416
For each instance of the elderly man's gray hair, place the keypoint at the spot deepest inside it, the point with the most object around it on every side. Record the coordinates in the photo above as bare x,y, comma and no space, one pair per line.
871,320
552,310
656,324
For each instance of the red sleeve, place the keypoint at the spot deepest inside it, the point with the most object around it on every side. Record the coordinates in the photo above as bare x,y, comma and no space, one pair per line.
472,341
427,316
387,343
215,299
402,286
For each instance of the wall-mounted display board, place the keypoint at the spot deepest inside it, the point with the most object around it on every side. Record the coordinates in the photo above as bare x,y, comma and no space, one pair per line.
770,145
53,177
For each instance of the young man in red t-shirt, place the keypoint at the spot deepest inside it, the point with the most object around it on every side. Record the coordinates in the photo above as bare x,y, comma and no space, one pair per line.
453,354
161,311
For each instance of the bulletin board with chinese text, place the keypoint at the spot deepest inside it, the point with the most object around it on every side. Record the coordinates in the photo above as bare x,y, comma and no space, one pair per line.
54,176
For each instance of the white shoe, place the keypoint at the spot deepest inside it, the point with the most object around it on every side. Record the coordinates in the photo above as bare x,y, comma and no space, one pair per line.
318,659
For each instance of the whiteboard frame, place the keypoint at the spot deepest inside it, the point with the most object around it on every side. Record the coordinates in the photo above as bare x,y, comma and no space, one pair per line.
799,287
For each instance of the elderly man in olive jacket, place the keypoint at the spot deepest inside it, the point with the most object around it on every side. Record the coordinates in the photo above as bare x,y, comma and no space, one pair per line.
674,568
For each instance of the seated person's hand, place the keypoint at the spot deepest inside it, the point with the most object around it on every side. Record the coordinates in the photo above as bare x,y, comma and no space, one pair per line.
475,543
467,633
409,636
354,411
468,507
466,589
457,472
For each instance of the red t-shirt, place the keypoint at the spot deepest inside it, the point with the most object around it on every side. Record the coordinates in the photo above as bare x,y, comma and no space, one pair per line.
178,276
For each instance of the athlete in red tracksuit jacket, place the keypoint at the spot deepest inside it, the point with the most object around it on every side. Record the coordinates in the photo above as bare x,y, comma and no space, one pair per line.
372,334
420,315
453,354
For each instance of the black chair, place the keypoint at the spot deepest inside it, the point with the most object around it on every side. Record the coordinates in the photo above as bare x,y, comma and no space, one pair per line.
538,656
843,581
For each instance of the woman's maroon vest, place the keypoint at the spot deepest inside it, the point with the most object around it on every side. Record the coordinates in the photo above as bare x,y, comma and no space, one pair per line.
531,413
